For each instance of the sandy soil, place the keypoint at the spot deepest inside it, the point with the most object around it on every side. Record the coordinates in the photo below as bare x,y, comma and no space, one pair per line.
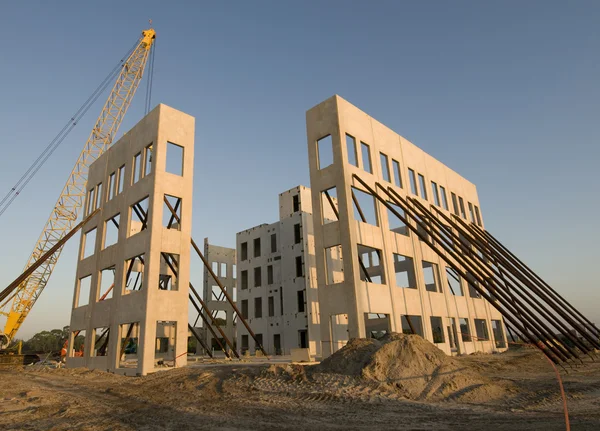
242,395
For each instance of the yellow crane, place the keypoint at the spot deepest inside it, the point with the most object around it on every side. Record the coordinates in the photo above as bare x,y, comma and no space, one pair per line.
66,211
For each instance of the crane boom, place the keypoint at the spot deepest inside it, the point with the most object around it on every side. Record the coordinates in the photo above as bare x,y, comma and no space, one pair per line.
66,211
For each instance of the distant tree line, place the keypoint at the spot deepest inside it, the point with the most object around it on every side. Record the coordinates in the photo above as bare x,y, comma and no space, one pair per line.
48,341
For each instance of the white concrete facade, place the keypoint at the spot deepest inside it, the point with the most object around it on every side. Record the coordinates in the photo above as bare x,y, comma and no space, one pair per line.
277,286
223,263
128,300
407,278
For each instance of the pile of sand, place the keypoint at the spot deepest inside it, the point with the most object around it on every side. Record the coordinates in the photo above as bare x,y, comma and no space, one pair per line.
415,367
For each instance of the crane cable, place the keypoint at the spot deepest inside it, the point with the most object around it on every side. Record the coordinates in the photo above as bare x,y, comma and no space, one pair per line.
60,137
150,79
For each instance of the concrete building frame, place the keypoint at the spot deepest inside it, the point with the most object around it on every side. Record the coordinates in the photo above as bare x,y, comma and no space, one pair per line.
280,278
223,263
134,233
376,290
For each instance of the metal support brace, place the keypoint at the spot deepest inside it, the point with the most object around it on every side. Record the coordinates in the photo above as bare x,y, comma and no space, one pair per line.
424,238
214,276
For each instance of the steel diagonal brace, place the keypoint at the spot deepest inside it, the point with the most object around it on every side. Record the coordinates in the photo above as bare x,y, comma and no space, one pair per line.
167,258
214,276
426,240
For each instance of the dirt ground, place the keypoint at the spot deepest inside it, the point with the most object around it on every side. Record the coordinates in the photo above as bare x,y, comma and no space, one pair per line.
246,395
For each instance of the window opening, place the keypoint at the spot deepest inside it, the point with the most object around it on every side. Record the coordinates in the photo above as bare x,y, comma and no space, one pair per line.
329,205
244,308
91,200
472,283
303,338
129,336
301,301
174,159
244,275
444,198
270,274
100,341
244,251
84,285
465,329
324,152
478,216
112,185
385,167
366,157
413,182
297,234
446,235
167,279
481,330
134,274
271,306
471,212
99,196
217,294
256,247
371,265
436,194
454,282
423,186
273,243
431,277
454,203
257,276
244,344
277,344
437,329
397,174
166,334
89,243
148,160
258,307
352,150
365,207
377,325
137,167
404,268
411,324
498,332
462,208
78,343
171,204
395,223
120,179
299,267
138,216
106,283
281,300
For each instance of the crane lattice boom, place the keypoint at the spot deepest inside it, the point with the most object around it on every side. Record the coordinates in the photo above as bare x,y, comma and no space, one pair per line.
66,211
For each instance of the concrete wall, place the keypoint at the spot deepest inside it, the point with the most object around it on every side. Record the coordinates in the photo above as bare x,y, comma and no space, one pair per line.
288,319
148,305
222,261
354,298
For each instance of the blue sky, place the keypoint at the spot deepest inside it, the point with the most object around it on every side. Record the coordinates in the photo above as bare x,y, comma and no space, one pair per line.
505,93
